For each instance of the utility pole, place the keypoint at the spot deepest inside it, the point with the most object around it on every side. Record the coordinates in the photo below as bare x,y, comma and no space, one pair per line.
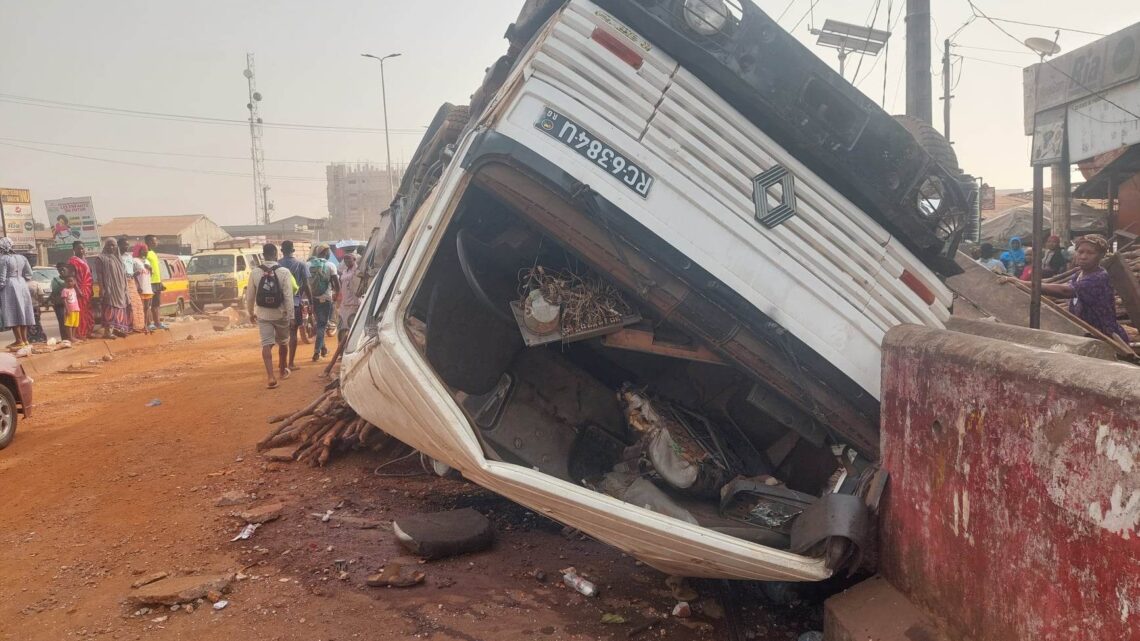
384,99
946,92
918,81
1062,188
256,152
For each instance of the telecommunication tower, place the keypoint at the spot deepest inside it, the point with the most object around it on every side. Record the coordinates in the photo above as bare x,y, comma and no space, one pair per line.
261,204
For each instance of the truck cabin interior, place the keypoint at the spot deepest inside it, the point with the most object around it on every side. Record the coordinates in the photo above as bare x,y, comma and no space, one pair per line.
596,359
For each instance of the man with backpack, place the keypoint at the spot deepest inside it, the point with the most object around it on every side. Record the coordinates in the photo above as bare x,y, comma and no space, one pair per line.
300,271
323,288
270,305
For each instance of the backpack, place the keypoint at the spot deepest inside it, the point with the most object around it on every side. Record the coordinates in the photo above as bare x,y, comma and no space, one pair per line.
269,292
319,276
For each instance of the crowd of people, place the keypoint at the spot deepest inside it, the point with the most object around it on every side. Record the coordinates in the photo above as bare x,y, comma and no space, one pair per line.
128,279
282,286
1088,287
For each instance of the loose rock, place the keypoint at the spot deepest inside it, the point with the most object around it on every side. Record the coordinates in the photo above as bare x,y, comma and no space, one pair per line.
173,591
396,575
150,579
263,513
233,497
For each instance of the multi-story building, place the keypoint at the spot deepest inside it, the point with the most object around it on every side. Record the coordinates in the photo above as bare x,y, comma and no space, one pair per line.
357,195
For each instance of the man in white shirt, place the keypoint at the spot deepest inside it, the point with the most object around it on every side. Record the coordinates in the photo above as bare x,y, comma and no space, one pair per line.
270,304
986,259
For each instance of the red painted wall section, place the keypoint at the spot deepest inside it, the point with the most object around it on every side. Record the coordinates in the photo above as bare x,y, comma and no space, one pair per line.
1013,508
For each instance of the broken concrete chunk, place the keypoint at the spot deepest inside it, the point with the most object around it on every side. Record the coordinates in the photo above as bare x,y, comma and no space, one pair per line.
183,589
395,575
263,513
150,579
443,534
233,497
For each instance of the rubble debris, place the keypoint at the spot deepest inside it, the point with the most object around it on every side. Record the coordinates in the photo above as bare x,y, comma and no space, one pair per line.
630,486
677,443
572,579
233,497
610,618
396,575
814,635
158,576
263,514
563,305
220,605
680,588
539,575
326,425
682,610
177,590
246,532
154,402
711,608
444,534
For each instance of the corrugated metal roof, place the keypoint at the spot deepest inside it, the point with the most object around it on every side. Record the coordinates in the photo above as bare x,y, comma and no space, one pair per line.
143,225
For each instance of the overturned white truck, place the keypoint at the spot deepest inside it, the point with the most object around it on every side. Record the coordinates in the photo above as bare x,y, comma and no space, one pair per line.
640,285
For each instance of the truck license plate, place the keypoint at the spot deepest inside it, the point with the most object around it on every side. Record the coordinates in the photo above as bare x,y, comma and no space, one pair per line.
590,147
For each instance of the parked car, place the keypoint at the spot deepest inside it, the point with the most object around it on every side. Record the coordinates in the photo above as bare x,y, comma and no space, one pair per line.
15,397
43,277
640,286
220,276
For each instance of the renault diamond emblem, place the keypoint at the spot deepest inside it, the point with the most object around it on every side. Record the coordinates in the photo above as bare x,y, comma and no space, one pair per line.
774,193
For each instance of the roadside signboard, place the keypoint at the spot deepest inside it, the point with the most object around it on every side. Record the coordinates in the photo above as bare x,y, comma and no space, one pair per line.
1100,123
16,206
72,219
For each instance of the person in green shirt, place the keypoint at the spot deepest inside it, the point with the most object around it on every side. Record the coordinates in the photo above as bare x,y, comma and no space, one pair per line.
155,283
56,298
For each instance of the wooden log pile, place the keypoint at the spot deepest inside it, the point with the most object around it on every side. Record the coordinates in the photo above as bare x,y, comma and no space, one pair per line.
325,426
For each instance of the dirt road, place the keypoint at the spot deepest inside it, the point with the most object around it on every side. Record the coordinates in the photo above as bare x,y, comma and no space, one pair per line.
100,490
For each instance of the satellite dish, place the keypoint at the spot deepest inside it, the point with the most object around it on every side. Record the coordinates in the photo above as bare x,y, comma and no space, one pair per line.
1043,47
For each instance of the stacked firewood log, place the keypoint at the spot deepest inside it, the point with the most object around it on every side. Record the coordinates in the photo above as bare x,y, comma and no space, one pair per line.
325,426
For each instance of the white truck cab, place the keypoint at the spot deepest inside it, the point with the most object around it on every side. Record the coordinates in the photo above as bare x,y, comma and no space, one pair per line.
641,284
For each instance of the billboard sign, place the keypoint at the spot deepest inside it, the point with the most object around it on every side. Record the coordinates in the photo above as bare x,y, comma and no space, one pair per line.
1109,62
988,196
19,225
1098,124
72,219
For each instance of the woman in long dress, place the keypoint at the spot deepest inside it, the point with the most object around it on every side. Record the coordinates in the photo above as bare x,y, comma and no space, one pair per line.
134,300
84,286
113,291
15,299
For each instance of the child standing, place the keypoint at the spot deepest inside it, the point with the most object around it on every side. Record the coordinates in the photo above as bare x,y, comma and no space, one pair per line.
70,297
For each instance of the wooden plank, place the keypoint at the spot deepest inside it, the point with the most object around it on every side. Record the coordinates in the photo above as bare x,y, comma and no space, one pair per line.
1122,349
639,340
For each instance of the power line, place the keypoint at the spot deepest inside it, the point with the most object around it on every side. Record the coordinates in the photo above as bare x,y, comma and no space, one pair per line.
874,19
1059,70
958,46
1044,26
211,172
810,11
167,153
992,62
117,111
785,11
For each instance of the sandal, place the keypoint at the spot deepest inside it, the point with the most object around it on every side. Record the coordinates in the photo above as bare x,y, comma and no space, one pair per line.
285,374
272,385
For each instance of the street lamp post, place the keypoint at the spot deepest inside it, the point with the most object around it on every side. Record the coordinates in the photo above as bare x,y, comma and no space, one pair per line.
384,100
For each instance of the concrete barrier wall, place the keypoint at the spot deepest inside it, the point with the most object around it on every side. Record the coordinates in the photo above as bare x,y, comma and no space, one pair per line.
1013,506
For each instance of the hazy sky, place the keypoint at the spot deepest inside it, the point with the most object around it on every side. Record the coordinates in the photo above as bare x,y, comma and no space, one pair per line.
187,57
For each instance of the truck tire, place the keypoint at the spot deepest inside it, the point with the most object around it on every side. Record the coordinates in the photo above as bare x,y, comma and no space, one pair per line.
932,141
8,416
